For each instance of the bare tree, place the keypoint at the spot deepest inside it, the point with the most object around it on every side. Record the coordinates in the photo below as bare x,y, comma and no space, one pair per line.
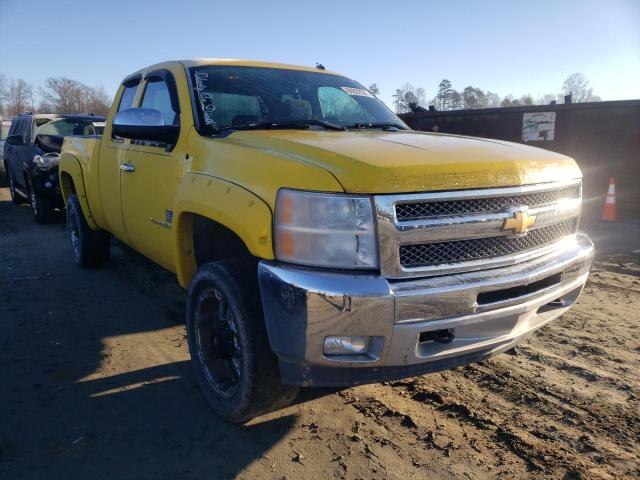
442,100
64,95
406,95
546,99
493,99
577,85
98,102
3,92
373,88
457,103
474,98
526,100
508,101
421,97
398,101
18,97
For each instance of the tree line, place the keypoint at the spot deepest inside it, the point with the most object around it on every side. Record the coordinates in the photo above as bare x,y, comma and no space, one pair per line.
408,97
57,95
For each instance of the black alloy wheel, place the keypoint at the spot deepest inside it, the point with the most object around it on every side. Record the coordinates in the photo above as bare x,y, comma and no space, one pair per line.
219,351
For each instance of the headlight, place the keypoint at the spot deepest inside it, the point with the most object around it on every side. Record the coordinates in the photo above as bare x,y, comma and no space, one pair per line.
47,161
325,230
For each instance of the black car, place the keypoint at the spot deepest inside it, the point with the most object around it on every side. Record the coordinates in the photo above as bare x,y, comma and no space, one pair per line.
32,153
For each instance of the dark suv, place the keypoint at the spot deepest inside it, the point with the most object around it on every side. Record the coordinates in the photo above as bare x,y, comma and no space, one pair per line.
5,124
32,154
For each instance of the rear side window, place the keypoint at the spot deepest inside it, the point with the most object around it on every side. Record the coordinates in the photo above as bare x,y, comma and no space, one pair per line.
128,95
13,130
22,126
66,126
157,96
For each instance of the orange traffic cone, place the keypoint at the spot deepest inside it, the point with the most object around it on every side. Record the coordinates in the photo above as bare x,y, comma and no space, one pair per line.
609,210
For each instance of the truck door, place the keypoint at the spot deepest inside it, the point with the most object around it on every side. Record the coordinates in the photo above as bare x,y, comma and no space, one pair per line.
151,175
16,155
112,157
10,150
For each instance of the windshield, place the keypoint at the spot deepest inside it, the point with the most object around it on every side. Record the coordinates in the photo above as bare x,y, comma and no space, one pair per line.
230,96
67,126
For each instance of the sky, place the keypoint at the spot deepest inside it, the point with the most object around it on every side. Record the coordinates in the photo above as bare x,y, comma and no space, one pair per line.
508,47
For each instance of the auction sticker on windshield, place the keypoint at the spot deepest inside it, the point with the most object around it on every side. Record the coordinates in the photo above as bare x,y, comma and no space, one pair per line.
357,91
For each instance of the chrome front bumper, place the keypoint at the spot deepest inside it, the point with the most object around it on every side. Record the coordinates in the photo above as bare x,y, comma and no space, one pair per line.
416,325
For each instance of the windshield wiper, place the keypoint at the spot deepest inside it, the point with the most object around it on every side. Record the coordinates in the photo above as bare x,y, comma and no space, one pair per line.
384,126
286,124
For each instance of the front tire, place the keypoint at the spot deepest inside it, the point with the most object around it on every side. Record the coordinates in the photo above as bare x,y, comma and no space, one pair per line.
43,211
228,343
91,248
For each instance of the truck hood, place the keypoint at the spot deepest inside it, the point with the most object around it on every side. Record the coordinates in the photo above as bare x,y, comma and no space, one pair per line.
409,161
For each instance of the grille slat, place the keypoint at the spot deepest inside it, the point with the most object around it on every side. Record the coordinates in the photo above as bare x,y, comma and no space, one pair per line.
474,206
423,255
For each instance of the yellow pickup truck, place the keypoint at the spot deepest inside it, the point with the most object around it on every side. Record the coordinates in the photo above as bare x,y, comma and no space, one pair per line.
322,242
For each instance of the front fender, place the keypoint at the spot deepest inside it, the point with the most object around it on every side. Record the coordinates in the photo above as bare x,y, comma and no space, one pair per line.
71,178
231,205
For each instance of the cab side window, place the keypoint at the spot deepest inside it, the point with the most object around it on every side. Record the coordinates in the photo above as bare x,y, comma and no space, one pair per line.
128,95
22,126
157,96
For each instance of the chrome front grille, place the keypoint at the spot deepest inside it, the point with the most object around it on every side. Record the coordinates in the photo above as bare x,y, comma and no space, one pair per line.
446,232
419,210
426,254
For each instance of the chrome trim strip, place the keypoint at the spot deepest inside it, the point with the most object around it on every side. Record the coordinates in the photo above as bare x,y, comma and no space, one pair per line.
473,226
434,298
478,193
483,264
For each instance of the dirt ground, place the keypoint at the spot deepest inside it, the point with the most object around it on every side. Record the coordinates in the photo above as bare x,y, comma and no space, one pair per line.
96,383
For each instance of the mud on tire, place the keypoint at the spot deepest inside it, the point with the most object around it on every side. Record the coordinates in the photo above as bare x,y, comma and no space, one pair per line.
228,342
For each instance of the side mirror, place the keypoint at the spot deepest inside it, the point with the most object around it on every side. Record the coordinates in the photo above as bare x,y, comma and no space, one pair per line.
144,124
15,140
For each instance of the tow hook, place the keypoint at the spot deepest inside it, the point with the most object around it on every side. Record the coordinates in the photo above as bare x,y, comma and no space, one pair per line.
439,336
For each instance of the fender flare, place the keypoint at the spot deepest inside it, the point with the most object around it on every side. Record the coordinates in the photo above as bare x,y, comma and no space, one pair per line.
226,203
69,171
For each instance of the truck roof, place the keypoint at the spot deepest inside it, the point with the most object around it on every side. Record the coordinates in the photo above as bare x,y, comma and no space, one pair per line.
196,62
79,116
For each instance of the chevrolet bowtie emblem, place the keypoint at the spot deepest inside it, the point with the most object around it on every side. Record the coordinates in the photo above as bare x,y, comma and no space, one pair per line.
520,223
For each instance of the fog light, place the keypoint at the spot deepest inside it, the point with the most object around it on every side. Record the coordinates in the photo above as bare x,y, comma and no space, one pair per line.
356,345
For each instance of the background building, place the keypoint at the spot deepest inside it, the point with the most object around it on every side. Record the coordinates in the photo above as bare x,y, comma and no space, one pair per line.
604,138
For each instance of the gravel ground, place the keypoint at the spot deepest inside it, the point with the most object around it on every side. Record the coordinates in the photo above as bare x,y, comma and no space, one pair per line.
96,383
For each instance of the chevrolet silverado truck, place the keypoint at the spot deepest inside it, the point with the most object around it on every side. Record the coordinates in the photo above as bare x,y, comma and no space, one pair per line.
322,242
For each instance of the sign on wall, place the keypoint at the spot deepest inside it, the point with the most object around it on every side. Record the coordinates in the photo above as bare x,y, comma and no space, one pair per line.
538,126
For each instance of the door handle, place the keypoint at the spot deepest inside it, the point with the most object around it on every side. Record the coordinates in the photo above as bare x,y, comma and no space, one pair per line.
127,167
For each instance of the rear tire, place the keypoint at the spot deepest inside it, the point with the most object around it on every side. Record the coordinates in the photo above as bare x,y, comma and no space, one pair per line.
42,208
16,198
228,343
91,248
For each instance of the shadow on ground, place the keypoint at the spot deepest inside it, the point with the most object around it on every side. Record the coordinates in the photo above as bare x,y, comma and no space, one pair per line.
95,371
